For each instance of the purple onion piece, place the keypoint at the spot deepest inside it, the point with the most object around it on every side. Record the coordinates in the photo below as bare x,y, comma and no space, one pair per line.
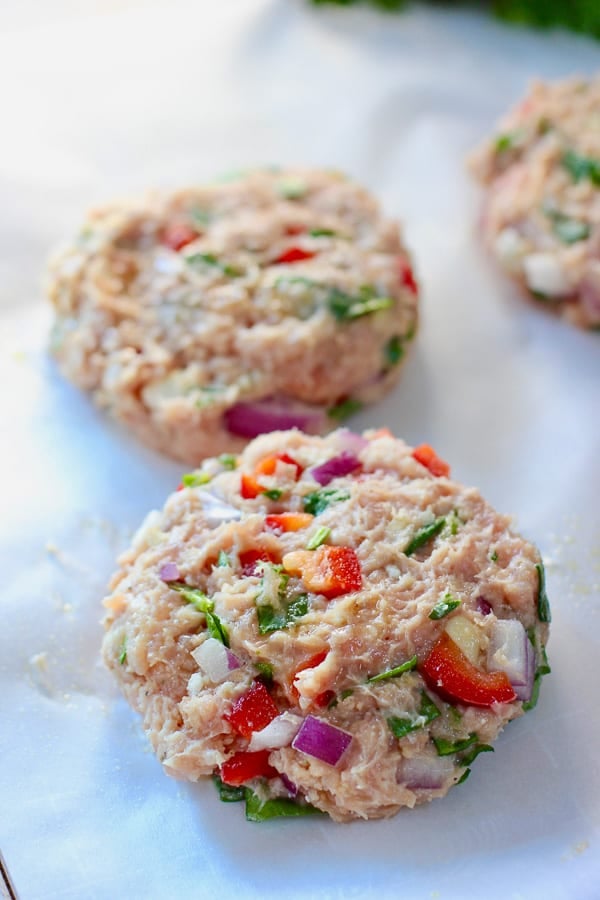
323,741
273,414
290,787
232,661
169,572
425,773
335,467
349,441
483,606
524,691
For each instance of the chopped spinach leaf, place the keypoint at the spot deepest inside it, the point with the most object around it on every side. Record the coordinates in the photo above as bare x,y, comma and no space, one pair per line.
318,501
468,758
227,792
446,748
444,606
344,409
258,810
203,604
393,673
582,168
273,493
223,560
318,538
543,604
428,711
195,479
464,776
423,535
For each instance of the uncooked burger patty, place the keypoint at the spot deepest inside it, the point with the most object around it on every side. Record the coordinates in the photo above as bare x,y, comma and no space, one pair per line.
542,213
329,623
203,318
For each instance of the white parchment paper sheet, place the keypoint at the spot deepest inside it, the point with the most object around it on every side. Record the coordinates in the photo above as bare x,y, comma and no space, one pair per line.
98,99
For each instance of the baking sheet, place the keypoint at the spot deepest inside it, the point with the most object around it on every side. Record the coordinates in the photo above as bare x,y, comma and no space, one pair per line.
105,98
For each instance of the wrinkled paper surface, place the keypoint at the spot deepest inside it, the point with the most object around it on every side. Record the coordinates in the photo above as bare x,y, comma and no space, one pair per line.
101,99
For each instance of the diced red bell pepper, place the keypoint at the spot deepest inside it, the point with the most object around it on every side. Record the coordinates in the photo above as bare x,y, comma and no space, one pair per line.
250,558
407,277
244,766
180,486
295,229
252,711
324,698
329,570
427,456
250,486
450,674
288,521
178,235
294,254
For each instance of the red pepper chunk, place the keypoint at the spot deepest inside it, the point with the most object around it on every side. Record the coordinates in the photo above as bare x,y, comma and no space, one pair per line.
243,766
178,235
294,254
427,456
407,277
249,560
311,663
288,521
330,571
252,711
450,674
250,486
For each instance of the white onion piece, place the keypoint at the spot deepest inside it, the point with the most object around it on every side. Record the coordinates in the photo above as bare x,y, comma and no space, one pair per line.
215,660
544,275
217,511
425,772
509,652
280,732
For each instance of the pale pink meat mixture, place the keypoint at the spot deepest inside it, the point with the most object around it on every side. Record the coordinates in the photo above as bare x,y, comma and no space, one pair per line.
541,217
284,287
321,659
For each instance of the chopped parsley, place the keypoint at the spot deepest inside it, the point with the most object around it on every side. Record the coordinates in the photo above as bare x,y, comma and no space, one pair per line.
317,502
265,670
428,711
509,140
272,493
343,306
423,535
209,259
394,673
123,653
494,556
543,604
393,350
201,218
195,479
203,604
468,758
566,229
322,232
455,522
542,668
274,610
464,776
227,792
344,409
582,168
258,810
223,560
446,748
444,606
292,188
318,538
228,460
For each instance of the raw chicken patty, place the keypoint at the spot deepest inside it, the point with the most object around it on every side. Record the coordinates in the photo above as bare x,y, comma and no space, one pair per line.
542,213
205,317
329,623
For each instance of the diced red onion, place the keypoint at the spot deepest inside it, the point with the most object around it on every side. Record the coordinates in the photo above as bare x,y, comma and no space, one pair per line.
215,660
169,572
350,441
335,468
280,732
216,510
323,741
290,787
483,606
273,414
510,651
425,772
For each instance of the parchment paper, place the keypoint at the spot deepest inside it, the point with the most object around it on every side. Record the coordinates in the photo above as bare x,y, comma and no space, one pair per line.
101,99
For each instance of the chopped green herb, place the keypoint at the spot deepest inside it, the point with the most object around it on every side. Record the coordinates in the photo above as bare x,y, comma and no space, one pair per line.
274,610
582,168
570,231
227,792
203,604
469,757
444,606
201,218
273,493
428,711
209,259
318,538
494,556
347,693
344,409
464,776
195,479
394,350
265,670
223,560
509,140
393,673
455,522
543,668
345,306
318,501
423,535
322,232
292,188
258,810
123,653
543,604
446,748
455,714
228,460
